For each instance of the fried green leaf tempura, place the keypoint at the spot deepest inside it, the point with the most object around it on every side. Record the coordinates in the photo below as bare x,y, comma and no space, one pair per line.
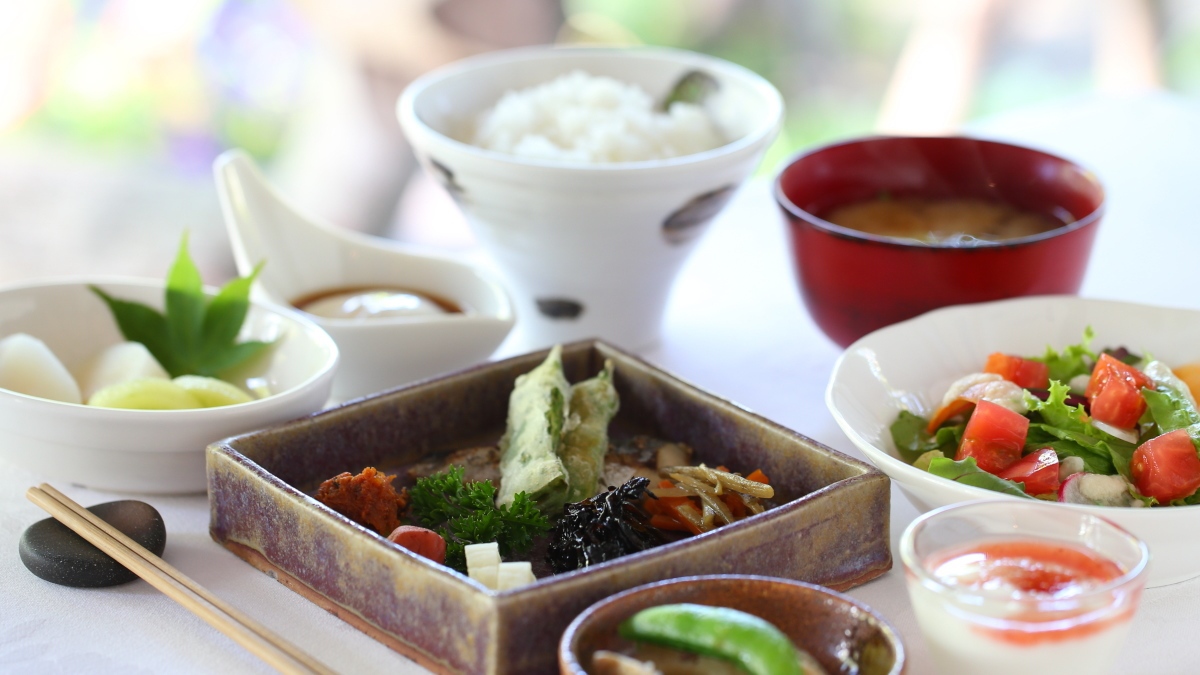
594,403
529,449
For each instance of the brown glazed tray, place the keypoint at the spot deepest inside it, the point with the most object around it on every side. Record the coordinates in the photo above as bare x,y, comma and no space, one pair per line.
831,527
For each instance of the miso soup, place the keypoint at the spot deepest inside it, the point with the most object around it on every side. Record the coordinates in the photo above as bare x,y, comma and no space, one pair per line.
944,222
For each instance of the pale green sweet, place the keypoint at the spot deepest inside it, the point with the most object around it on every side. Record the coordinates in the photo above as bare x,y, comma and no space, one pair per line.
145,394
212,392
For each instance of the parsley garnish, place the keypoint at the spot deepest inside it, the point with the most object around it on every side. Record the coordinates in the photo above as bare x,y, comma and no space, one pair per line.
466,513
196,336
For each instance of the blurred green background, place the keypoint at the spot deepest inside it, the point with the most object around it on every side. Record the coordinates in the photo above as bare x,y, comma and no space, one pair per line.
111,111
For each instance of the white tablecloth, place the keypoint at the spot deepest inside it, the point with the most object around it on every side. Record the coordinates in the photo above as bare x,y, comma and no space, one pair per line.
735,327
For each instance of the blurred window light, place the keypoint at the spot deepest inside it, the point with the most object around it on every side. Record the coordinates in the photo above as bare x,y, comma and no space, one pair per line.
184,78
29,32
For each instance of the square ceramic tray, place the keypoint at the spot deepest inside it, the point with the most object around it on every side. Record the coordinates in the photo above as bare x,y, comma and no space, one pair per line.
831,527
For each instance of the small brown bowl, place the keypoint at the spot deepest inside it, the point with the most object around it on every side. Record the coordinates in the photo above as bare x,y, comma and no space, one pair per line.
842,634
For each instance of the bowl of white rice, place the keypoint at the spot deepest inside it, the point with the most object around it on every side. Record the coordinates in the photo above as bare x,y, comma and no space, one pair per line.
585,189
592,119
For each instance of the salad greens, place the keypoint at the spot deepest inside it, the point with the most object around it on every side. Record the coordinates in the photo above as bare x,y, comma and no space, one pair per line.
195,336
911,439
1138,421
1072,361
1170,410
1067,430
968,473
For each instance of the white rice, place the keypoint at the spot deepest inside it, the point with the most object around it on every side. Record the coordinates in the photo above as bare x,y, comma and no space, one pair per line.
581,118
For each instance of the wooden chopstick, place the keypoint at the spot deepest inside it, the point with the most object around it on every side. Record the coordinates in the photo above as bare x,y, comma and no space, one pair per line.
258,639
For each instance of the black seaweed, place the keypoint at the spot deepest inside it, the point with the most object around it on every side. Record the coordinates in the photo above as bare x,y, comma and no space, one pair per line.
604,527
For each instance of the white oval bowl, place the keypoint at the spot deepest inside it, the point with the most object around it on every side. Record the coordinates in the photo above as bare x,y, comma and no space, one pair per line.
145,451
303,256
910,365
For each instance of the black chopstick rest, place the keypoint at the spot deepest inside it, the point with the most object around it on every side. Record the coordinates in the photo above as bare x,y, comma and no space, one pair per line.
53,552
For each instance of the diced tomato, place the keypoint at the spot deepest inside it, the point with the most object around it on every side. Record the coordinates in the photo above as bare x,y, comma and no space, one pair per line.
994,436
1108,368
1114,392
1166,467
1025,373
421,541
1038,471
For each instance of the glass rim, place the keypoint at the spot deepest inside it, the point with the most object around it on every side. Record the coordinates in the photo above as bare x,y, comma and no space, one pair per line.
913,564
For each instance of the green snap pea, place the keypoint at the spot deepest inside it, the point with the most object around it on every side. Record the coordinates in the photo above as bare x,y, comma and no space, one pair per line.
752,643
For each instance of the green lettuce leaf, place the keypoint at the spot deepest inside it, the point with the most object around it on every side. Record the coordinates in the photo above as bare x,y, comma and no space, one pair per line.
912,441
1054,411
1169,409
968,473
1066,429
1072,361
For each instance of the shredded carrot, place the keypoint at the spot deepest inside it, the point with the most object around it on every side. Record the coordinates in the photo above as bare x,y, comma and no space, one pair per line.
959,406
684,513
663,522
673,501
675,512
723,468
736,506
759,477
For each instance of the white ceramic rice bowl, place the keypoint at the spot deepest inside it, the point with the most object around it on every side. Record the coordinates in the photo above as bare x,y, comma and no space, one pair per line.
910,365
587,249
145,451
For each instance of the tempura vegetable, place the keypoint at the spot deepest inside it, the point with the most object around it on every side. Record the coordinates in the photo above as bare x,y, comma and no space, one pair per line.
594,403
529,449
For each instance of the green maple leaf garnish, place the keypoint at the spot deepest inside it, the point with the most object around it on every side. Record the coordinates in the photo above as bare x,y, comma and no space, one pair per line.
196,336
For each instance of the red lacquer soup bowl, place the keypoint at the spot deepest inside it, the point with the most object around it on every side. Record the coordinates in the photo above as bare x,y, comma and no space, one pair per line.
853,282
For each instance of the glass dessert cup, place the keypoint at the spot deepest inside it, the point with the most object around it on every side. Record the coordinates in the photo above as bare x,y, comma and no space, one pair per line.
1003,587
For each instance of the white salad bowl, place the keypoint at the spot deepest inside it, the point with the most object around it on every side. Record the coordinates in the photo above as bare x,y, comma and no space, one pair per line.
909,366
588,249
146,451
302,256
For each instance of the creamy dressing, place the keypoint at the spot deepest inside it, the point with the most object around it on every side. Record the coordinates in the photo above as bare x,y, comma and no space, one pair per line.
372,303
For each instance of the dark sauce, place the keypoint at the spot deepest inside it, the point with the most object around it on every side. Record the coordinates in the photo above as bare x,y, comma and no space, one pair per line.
369,302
